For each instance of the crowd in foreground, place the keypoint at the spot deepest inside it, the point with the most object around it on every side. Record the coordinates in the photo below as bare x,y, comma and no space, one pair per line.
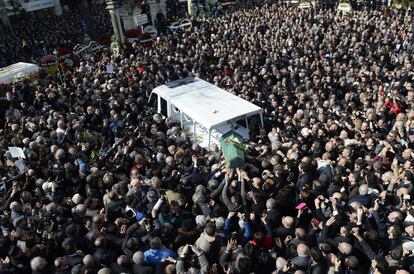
111,187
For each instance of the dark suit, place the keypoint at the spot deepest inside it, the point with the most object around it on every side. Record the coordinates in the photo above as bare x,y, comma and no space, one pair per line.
319,268
305,179
118,269
274,218
301,262
142,269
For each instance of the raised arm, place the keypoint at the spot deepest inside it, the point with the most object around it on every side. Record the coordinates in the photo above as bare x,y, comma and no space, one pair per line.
365,246
230,206
242,178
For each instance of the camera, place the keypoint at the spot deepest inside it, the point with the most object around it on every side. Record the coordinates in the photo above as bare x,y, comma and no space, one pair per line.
234,236
49,217
130,214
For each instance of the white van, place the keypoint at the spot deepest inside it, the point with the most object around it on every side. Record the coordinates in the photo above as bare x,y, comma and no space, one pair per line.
16,71
205,111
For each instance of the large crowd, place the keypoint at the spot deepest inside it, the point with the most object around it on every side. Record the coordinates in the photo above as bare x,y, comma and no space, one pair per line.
112,187
31,37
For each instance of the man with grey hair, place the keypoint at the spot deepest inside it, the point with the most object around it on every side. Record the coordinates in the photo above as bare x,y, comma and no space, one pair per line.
363,197
122,265
139,266
302,261
89,263
38,265
62,265
105,270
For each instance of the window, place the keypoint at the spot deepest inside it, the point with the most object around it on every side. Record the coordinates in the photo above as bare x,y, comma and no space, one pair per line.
180,82
254,120
242,122
164,111
153,100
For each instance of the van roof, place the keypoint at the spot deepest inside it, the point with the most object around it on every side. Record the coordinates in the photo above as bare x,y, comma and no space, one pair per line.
205,103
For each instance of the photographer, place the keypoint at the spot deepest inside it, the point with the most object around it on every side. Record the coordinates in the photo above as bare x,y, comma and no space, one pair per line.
196,263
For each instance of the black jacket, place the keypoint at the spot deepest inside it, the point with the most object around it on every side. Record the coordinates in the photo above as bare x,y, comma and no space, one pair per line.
142,269
319,268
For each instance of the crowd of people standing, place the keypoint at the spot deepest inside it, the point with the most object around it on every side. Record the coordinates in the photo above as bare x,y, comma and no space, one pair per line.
109,186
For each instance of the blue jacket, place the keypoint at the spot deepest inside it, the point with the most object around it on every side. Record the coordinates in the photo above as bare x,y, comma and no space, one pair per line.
154,256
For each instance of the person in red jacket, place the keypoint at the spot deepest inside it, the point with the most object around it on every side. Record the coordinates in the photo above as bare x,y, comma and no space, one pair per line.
393,106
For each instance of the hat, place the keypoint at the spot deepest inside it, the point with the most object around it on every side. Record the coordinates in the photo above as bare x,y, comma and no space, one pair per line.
325,247
359,161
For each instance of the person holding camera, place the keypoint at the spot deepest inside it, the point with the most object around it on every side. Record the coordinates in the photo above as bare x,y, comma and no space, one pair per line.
192,261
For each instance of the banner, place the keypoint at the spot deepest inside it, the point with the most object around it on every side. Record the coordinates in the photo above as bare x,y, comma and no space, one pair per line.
38,5
141,19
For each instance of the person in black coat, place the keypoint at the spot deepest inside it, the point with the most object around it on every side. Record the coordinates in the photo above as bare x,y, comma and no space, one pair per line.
318,264
273,214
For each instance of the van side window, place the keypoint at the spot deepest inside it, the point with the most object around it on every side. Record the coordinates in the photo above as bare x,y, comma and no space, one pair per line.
164,111
242,123
153,100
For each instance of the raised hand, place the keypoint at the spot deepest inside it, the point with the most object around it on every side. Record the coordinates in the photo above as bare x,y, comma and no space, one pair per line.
231,245
330,221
